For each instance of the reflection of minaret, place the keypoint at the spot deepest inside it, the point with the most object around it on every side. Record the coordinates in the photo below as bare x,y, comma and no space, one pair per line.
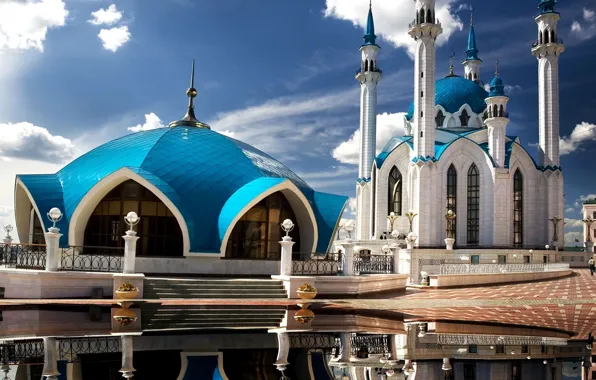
190,120
424,29
368,76
472,62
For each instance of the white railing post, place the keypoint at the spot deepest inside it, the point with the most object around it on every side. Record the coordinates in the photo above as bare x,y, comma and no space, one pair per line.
50,358
348,257
53,255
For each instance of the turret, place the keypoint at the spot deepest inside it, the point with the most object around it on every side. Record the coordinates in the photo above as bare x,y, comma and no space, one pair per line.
424,29
368,75
472,62
497,119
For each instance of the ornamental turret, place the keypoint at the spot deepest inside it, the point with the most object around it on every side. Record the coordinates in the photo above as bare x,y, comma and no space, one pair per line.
369,76
424,29
497,119
472,62
547,50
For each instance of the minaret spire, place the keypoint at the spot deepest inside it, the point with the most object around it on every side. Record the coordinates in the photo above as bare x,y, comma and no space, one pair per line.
370,38
472,62
190,120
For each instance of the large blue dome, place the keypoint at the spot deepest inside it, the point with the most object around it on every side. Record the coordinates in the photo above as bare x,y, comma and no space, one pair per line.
209,177
452,92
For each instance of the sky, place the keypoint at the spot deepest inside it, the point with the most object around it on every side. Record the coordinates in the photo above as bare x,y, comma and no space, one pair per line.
276,74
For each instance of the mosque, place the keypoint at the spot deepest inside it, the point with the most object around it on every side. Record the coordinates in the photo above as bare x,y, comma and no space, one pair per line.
456,156
197,192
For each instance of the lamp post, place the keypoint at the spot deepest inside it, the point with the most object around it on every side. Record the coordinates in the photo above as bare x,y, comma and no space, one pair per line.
411,215
555,221
450,241
392,218
349,227
53,235
589,243
286,248
130,242
8,239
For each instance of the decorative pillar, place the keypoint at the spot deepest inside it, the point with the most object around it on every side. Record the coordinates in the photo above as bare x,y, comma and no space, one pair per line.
348,258
126,344
50,359
130,251
53,255
286,256
283,348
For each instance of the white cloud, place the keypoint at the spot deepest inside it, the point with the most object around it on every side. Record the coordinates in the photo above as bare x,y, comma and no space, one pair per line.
570,209
114,38
108,16
27,141
589,15
388,125
587,29
587,197
573,223
24,24
571,237
392,18
581,133
152,121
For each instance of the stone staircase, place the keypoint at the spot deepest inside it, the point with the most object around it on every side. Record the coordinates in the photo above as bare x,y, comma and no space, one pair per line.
173,288
173,317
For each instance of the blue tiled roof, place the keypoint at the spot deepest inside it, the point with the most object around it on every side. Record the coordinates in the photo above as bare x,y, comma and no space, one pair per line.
472,50
453,92
497,88
198,169
370,38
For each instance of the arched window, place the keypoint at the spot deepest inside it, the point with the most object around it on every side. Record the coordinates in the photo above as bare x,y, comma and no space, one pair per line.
366,65
451,199
36,233
158,230
372,65
463,118
429,17
422,16
374,200
473,205
501,111
440,119
546,36
257,234
540,37
552,36
495,113
518,208
395,191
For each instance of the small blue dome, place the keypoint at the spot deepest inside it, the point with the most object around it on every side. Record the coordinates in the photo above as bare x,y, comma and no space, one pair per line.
453,92
497,88
199,170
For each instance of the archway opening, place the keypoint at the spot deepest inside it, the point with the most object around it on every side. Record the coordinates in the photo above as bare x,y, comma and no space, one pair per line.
158,230
257,234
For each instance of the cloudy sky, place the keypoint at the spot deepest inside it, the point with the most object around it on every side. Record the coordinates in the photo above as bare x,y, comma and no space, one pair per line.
276,74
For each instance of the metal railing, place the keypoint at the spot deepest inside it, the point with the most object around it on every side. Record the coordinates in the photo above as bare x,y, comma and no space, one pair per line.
23,256
92,259
370,343
488,340
373,264
27,351
317,264
499,268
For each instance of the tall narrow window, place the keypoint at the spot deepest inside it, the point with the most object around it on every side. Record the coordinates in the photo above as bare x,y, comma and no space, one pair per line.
518,208
374,201
451,199
473,205
440,119
464,117
395,191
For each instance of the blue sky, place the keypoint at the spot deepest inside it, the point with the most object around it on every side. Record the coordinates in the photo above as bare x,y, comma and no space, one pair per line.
276,74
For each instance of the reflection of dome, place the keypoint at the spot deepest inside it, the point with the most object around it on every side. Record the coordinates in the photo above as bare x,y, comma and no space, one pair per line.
206,178
453,92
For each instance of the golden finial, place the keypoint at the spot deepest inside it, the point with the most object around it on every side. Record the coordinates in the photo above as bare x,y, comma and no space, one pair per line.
190,120
451,74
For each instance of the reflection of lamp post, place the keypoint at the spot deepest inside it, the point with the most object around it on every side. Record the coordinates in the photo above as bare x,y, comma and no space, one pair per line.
349,227
392,218
555,221
411,215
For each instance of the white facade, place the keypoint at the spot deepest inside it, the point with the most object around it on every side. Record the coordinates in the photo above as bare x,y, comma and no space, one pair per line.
500,195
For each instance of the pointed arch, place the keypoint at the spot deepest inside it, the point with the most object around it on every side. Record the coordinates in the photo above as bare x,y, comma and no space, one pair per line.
495,108
452,199
429,17
395,191
541,40
552,36
440,118
473,207
464,117
501,111
422,16
518,208
365,65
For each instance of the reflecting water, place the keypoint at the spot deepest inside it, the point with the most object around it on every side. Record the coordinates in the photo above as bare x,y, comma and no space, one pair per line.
318,341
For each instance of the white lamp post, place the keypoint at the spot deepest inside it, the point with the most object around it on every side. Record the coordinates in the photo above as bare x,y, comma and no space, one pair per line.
286,248
53,241
130,242
349,227
8,229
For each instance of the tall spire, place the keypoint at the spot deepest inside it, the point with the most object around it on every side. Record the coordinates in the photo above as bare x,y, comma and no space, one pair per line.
472,50
370,38
190,120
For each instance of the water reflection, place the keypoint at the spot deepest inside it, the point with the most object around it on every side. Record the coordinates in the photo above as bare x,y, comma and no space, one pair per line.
264,342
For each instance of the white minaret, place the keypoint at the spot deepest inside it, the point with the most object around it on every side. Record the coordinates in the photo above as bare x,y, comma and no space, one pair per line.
472,62
547,50
368,76
424,29
498,118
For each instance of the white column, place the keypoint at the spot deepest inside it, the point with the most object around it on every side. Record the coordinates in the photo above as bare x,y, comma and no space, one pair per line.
346,347
126,344
50,358
53,255
130,251
283,348
286,256
348,258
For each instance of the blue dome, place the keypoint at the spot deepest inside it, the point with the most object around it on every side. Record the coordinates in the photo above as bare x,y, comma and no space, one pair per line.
452,92
497,88
209,177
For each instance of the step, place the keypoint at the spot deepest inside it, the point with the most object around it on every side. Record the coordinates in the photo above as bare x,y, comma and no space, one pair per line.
213,290
213,295
212,281
213,286
211,324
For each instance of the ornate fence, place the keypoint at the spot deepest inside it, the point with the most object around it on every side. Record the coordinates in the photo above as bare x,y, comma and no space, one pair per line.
23,256
492,340
500,268
92,259
371,344
316,264
27,351
373,264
